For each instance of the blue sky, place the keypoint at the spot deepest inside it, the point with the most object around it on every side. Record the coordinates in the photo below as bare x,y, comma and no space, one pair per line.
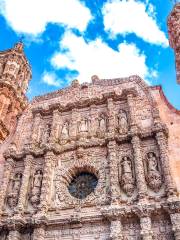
72,39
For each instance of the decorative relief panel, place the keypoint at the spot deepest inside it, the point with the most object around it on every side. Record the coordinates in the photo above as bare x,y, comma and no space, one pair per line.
70,170
97,230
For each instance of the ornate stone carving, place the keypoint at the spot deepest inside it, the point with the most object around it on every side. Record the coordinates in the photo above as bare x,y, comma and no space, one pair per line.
122,122
102,125
153,172
36,188
126,175
83,126
14,189
64,133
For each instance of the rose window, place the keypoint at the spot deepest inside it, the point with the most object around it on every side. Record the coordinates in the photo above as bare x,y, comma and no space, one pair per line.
82,185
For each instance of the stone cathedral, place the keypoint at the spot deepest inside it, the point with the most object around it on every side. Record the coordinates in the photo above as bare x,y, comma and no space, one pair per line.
93,161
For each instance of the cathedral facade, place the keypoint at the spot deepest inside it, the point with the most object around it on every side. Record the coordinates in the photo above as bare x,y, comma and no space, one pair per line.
96,160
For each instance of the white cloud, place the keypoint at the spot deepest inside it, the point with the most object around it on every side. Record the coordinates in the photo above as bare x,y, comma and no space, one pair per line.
96,57
32,16
130,16
50,79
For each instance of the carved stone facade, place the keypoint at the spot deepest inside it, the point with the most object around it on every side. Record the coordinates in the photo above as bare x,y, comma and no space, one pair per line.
88,163
92,161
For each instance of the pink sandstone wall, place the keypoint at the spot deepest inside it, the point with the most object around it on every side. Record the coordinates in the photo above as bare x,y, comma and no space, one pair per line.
171,117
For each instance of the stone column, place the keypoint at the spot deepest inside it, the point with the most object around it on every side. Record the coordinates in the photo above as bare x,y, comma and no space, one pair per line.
146,231
116,230
8,166
163,148
113,172
39,233
139,168
14,235
175,220
46,182
25,182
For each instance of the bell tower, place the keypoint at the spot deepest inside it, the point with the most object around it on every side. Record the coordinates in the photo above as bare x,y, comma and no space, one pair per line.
15,74
174,35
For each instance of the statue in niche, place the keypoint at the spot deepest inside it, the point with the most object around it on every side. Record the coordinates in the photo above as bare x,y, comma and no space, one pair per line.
102,126
36,188
153,175
83,126
126,176
122,122
65,132
14,189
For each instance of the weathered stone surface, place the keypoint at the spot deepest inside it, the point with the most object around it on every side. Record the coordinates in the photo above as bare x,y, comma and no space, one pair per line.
92,161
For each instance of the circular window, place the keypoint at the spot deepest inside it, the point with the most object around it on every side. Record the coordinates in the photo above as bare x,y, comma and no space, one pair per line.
82,185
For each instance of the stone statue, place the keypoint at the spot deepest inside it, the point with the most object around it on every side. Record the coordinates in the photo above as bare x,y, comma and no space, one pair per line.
83,126
15,185
126,176
65,131
153,175
102,123
36,188
122,122
102,126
